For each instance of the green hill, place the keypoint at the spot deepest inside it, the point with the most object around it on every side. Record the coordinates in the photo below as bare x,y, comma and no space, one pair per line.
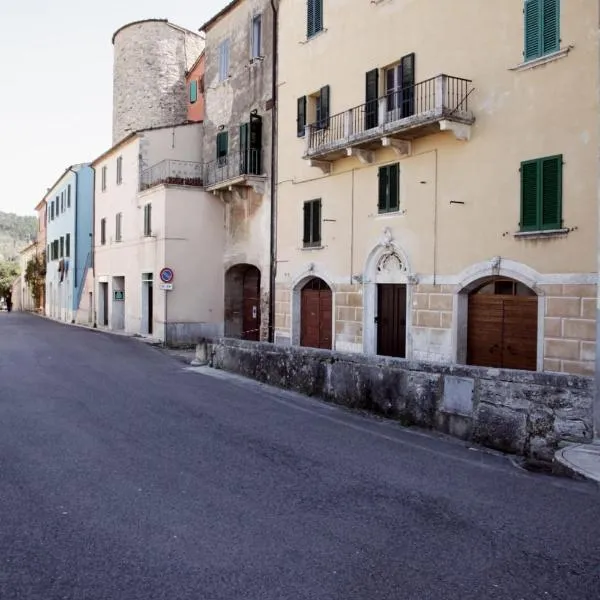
15,233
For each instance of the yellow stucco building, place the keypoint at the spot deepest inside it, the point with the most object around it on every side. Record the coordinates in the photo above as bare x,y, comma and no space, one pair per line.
437,177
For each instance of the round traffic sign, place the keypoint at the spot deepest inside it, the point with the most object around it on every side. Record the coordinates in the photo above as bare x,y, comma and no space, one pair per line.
166,275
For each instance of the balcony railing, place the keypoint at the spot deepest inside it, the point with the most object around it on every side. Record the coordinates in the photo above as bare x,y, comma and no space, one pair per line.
409,111
173,172
233,167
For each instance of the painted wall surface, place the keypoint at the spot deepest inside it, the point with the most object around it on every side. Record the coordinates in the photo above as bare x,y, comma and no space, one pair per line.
41,209
83,231
229,103
196,108
194,220
62,289
459,200
149,86
22,297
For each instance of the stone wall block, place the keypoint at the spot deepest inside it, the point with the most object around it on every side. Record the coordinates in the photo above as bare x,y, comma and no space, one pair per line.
500,427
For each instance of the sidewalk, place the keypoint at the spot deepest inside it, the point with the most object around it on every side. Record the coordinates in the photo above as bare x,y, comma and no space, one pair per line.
580,460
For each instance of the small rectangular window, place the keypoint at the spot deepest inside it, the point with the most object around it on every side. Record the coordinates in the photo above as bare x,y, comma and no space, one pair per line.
119,170
314,17
148,220
68,245
104,171
256,36
103,232
312,224
62,202
389,188
62,246
69,196
222,147
201,85
52,210
541,194
118,227
301,117
224,60
193,91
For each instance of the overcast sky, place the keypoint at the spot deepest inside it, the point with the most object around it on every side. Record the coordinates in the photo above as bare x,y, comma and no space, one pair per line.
56,84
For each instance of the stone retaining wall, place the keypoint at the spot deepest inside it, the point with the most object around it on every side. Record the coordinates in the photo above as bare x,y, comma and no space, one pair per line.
521,412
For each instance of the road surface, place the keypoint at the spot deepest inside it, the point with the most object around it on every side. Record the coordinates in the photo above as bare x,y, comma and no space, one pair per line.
127,475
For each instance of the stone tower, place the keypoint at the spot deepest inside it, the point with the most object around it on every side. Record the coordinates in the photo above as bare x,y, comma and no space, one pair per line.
151,58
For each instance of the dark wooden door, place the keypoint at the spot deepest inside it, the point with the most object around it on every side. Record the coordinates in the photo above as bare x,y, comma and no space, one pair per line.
251,305
391,320
316,315
105,302
150,309
502,331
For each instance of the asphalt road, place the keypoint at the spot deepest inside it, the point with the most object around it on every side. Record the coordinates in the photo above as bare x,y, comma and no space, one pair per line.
126,475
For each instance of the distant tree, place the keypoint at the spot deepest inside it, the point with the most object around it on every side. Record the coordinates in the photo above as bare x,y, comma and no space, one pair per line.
35,276
8,273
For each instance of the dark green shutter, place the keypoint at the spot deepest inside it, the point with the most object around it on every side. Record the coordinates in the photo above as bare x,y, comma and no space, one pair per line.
529,195
244,148
316,222
68,245
318,15
371,95
324,107
301,120
394,191
314,17
533,28
306,222
551,196
383,189
550,26
222,144
407,83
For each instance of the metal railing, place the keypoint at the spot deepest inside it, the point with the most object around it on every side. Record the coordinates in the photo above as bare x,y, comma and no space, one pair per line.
174,172
443,96
235,164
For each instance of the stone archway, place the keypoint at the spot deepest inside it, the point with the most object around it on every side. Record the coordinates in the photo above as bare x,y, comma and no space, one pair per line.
387,297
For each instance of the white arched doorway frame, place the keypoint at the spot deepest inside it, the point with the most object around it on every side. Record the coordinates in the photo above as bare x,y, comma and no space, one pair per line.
387,263
296,301
477,274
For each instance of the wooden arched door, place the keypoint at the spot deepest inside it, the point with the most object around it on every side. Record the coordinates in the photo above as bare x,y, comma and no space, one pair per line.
316,315
503,326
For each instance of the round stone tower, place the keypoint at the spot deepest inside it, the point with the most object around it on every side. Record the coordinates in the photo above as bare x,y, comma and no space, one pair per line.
151,58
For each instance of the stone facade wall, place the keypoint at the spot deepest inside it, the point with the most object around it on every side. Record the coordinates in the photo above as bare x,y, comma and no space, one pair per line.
512,411
149,75
348,318
570,328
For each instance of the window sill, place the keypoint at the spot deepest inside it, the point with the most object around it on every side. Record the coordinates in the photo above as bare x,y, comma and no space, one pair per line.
314,36
309,248
540,235
542,60
389,214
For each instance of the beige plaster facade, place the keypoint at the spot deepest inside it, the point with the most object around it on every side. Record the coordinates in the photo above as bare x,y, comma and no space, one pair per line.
182,230
457,224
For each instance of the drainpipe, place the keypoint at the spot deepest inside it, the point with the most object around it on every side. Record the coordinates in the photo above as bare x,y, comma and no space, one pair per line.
273,232
74,248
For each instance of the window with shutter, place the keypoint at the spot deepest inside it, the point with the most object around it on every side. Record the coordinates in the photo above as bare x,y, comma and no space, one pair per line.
389,188
312,224
224,60
301,118
193,91
314,17
256,36
69,196
148,220
104,170
68,245
103,232
323,108
371,96
541,194
222,147
542,28
119,170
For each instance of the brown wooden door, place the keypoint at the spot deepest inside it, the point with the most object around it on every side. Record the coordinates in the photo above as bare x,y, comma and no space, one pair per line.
251,305
316,315
391,320
502,331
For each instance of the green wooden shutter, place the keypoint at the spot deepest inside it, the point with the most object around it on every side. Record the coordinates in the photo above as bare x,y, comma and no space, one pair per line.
550,26
301,119
316,222
533,28
307,223
324,107
371,95
383,189
529,195
407,82
310,18
394,191
551,196
193,91
318,19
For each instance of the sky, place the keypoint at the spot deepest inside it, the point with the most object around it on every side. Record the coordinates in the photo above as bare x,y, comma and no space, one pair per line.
56,84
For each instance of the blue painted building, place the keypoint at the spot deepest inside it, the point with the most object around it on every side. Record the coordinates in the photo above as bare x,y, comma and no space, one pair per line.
69,229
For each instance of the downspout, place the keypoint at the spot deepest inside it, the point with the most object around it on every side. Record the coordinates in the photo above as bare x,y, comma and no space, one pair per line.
74,249
273,232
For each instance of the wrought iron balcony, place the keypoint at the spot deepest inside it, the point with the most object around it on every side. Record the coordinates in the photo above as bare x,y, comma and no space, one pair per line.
239,168
437,104
173,172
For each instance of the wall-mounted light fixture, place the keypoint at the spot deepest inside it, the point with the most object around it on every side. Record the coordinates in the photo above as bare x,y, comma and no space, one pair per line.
221,127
